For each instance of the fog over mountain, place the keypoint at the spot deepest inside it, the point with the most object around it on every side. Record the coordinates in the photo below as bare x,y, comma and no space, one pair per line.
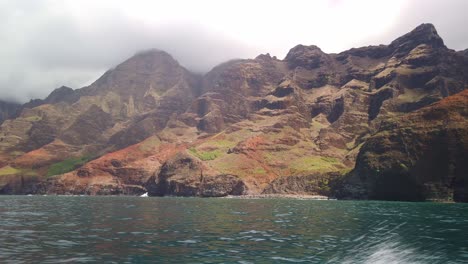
46,44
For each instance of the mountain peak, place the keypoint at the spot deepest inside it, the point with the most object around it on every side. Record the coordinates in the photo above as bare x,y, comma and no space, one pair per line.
150,60
149,67
305,56
303,49
152,53
423,34
60,94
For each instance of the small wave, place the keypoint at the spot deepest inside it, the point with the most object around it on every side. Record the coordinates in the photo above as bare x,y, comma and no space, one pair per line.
73,260
277,240
257,239
282,215
62,243
252,232
288,259
188,241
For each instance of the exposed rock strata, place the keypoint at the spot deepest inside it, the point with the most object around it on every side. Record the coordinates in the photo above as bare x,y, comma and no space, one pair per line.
253,126
418,156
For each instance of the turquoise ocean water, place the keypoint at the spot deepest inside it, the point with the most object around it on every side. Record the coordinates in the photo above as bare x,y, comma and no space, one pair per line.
58,229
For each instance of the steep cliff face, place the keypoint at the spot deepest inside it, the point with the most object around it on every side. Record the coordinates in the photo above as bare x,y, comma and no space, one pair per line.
418,156
250,126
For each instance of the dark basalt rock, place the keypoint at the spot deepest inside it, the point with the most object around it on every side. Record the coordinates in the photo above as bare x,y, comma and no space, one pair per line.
12,184
41,133
418,156
374,52
8,110
309,57
222,185
423,34
63,94
283,91
82,172
317,184
323,104
412,106
87,128
183,176
376,101
337,109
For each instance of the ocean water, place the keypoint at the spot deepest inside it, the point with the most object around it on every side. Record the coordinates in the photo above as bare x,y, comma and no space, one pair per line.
53,229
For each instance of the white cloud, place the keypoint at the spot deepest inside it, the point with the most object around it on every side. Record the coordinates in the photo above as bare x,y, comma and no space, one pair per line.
49,43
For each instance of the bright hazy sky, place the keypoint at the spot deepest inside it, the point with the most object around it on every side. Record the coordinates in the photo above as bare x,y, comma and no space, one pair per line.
49,43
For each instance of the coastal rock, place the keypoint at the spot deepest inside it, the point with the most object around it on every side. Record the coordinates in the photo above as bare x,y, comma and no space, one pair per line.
222,185
317,184
183,176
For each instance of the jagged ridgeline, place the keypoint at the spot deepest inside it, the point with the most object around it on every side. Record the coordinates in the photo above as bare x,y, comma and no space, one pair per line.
377,122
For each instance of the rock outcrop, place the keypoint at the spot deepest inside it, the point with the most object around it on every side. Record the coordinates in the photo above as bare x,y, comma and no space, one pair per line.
183,175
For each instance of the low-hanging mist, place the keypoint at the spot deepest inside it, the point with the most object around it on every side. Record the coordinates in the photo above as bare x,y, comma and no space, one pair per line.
47,44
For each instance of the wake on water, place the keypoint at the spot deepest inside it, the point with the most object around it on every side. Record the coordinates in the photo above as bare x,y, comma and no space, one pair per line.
384,248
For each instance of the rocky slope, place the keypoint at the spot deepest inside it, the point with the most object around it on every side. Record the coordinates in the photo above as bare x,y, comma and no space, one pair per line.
263,125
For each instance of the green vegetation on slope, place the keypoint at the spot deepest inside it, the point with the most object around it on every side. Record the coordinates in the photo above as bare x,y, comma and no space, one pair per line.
67,165
33,118
8,170
205,155
149,144
314,164
214,148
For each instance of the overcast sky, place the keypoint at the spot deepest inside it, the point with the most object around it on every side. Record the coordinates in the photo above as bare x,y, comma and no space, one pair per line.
46,43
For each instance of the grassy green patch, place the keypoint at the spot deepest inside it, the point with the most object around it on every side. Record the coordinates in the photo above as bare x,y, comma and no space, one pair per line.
220,143
313,163
8,170
412,95
67,165
149,144
259,170
404,167
329,159
205,155
350,145
213,148
317,125
32,118
16,153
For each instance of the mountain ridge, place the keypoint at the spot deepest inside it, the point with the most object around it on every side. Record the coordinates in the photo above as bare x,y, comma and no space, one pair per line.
149,122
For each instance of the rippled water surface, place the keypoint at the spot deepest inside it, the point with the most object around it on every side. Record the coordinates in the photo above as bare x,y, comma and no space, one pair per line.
36,229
